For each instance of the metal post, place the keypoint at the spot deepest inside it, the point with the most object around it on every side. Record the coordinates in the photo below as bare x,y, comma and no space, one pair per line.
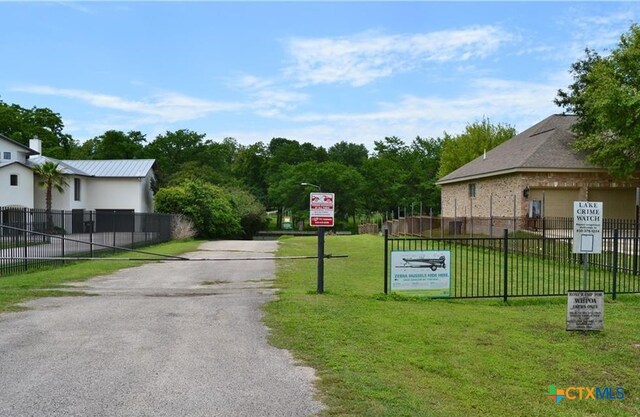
614,290
514,213
320,260
62,216
386,260
113,224
584,278
505,269
90,234
455,215
636,233
420,219
491,215
25,237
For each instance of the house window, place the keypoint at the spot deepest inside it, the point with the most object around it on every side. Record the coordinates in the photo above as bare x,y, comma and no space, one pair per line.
6,155
13,180
76,189
472,190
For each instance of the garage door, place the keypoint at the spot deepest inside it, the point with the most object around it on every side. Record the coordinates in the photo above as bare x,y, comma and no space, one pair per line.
558,203
617,203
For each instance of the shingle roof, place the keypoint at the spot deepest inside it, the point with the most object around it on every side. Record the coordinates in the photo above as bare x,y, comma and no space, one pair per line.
114,168
546,146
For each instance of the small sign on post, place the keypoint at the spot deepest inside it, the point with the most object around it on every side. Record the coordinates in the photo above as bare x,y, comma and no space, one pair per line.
585,310
321,209
587,227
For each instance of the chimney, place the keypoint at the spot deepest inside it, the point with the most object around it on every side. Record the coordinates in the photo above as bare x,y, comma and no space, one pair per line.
36,144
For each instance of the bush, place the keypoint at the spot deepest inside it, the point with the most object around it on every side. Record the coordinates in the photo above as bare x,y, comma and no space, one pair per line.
253,215
207,206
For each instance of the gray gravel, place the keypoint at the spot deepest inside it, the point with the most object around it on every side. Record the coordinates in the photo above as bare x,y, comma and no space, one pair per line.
164,339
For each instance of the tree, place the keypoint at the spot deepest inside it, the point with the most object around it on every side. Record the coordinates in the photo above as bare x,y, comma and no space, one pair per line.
477,138
22,124
115,144
605,98
50,177
209,208
173,149
348,154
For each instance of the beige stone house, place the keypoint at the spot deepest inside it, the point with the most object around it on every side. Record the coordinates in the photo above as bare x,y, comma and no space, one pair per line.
534,174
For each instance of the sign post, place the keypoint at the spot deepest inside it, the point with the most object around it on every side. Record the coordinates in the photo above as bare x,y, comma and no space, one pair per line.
587,230
321,214
585,309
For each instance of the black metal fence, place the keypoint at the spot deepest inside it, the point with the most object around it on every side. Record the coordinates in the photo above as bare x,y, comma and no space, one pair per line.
29,238
483,267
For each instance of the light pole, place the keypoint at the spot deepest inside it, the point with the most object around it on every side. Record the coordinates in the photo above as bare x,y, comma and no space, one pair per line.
320,287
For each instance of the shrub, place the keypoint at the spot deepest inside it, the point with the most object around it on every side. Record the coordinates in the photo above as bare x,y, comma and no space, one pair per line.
207,206
253,215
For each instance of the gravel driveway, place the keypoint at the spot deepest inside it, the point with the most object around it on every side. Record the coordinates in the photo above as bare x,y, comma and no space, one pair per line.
164,339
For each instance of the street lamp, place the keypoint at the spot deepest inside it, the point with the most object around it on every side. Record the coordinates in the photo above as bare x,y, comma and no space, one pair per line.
308,184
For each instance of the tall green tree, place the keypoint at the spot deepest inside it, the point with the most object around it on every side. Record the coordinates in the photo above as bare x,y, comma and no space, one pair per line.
350,154
115,144
173,149
50,177
22,124
477,138
605,97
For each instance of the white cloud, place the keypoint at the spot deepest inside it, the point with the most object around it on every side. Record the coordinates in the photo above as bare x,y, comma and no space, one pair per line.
363,58
503,101
266,98
169,107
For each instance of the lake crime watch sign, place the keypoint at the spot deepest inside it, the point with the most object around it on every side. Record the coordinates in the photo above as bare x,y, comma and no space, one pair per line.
321,209
587,226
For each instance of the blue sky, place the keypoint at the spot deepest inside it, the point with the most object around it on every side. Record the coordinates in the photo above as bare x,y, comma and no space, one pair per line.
315,72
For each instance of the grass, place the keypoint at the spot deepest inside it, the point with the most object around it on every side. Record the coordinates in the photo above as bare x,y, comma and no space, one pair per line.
49,282
380,355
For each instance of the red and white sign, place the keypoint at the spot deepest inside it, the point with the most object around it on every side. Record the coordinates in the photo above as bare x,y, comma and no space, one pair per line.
321,209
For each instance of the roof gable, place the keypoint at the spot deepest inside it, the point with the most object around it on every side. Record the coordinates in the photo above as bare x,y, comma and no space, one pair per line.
544,146
27,149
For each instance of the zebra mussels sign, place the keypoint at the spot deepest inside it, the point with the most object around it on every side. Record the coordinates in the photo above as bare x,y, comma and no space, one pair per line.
423,272
585,310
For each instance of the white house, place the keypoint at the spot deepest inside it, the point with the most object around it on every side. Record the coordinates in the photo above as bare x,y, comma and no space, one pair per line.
92,185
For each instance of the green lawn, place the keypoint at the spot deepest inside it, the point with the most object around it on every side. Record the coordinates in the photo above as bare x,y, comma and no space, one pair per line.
382,355
49,282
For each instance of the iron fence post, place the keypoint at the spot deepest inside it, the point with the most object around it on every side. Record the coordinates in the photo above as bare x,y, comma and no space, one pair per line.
386,259
615,264
91,234
635,239
26,250
63,234
505,272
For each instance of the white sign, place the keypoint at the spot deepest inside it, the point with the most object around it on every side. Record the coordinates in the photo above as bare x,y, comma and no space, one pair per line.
587,227
585,310
426,272
321,209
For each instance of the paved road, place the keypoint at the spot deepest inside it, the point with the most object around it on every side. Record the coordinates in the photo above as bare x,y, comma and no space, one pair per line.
164,339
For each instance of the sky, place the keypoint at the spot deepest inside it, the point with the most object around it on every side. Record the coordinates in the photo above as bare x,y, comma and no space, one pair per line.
319,72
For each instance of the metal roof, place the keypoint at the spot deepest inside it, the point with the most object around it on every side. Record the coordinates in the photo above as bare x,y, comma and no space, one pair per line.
113,168
123,168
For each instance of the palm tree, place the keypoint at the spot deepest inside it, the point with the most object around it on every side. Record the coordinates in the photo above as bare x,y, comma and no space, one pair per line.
50,177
